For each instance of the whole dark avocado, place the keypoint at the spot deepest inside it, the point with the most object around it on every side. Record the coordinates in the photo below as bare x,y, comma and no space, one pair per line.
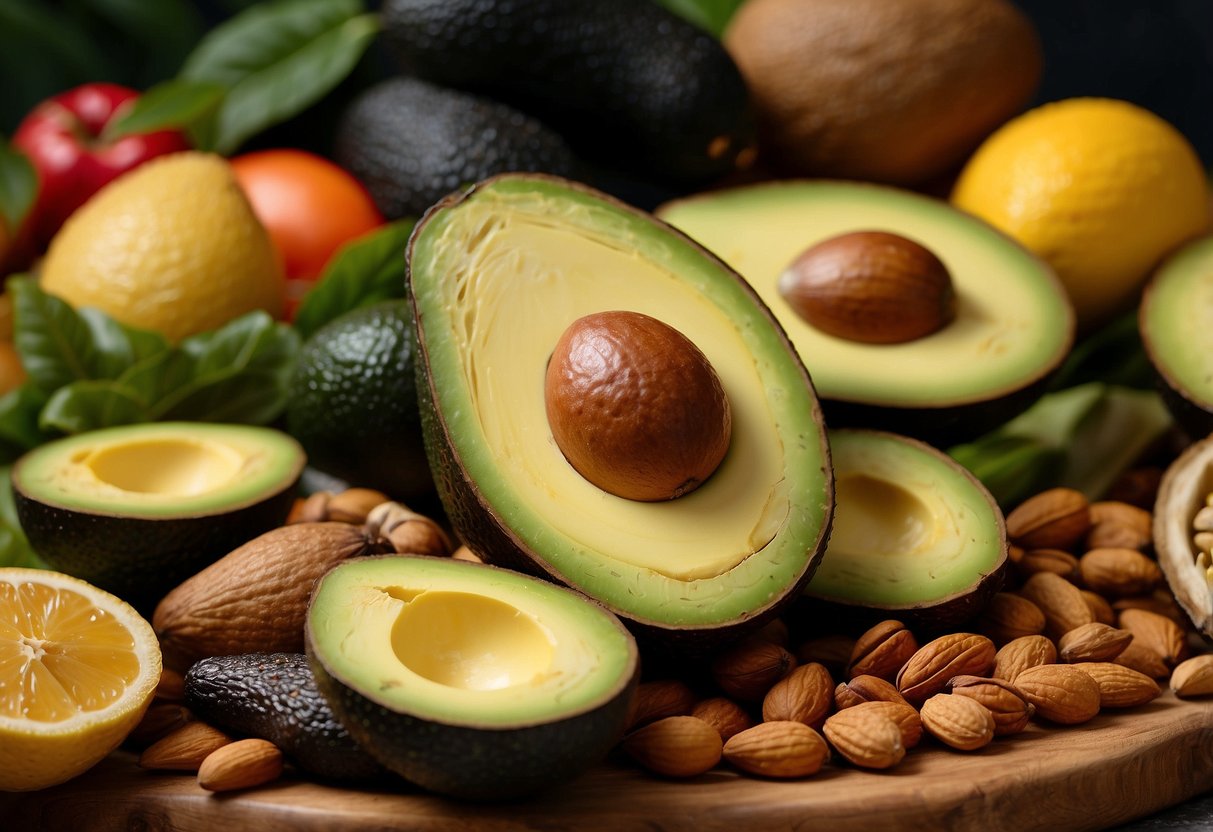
627,82
273,696
411,143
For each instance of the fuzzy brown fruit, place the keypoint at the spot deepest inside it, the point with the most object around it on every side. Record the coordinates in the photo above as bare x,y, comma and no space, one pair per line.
870,286
636,407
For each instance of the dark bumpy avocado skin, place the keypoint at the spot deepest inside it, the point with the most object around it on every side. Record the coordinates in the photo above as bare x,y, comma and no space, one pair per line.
273,696
626,81
411,143
352,402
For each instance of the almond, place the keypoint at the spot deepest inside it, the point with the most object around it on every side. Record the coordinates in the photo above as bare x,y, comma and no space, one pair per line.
1007,617
804,695
957,721
410,533
783,749
1057,561
243,764
865,688
1119,525
930,668
1193,677
171,687
748,670
183,749
353,505
1117,572
1055,519
1026,651
1060,693
882,650
865,737
1137,487
1159,601
1158,632
1120,686
904,715
1011,711
723,714
677,746
1060,601
159,721
1093,642
1100,608
659,699
774,631
834,651
1143,659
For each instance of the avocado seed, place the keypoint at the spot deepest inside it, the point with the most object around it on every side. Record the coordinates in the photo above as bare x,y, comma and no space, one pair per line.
635,407
870,286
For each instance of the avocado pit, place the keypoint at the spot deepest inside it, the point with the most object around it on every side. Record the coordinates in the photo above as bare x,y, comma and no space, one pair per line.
636,407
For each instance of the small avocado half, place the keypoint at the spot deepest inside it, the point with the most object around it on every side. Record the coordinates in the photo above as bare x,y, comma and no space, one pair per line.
916,537
1013,325
1176,324
497,274
137,509
468,680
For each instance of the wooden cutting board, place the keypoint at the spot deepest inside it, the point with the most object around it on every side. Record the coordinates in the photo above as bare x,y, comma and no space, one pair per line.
1119,766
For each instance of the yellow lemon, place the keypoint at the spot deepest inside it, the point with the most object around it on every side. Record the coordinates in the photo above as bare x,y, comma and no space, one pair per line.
78,667
1099,188
172,246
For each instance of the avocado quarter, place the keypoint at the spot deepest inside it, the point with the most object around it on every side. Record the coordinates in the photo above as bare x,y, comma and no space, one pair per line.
496,275
137,509
468,680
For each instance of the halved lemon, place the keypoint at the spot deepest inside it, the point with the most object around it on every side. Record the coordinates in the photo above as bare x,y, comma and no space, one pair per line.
78,668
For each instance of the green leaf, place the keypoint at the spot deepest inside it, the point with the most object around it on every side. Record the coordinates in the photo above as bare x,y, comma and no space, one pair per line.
91,405
189,105
14,547
711,15
19,429
278,58
362,272
18,187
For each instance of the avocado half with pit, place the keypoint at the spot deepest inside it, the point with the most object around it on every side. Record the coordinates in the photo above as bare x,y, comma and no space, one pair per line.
1001,328
1183,531
137,509
498,274
1175,319
916,537
466,679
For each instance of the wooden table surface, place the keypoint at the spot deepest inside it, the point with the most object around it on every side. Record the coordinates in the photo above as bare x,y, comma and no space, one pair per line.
1119,766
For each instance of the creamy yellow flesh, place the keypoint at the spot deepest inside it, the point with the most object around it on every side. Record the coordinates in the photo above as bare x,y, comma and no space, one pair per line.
907,527
1179,316
528,281
498,649
1011,318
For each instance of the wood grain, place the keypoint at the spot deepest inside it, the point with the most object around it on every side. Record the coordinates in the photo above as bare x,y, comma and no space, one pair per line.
1119,766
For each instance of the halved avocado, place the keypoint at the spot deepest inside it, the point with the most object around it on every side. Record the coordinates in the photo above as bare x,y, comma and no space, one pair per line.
916,537
1188,567
497,274
1176,323
469,680
137,509
1013,324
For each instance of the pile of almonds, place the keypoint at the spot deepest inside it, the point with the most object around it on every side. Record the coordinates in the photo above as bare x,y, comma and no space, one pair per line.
1084,623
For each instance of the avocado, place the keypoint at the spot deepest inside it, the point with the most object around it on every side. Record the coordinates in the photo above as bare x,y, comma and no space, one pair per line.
411,142
1011,328
916,537
352,401
1186,564
629,83
469,680
1175,319
273,696
137,509
497,274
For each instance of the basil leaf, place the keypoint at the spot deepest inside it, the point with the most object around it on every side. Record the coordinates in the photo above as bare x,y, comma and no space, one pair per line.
18,188
90,405
710,15
362,272
239,373
189,105
278,58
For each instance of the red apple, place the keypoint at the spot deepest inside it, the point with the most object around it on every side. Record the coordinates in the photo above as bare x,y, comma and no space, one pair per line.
62,137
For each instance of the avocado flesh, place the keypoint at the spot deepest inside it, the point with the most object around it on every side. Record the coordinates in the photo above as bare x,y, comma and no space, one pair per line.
912,529
468,679
1013,323
1176,321
496,277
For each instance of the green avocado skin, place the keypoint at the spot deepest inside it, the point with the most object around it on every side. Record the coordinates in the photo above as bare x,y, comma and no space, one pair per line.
478,763
273,696
628,82
411,143
141,559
